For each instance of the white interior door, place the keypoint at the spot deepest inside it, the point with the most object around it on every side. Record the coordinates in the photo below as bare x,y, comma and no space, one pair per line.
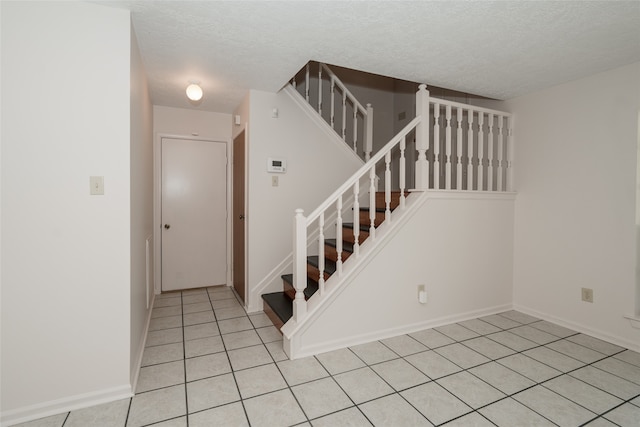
194,211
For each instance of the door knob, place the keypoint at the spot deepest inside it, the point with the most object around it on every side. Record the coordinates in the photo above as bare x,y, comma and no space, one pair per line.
241,216
167,226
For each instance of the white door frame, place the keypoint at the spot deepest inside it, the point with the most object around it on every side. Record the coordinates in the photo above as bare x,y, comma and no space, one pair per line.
157,202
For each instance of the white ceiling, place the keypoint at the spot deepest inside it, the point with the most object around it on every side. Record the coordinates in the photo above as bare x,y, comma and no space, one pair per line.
494,49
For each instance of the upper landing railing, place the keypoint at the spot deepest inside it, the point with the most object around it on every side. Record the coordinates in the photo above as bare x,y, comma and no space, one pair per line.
457,147
352,121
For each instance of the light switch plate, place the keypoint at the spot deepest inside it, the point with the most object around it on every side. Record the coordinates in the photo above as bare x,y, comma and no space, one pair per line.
96,185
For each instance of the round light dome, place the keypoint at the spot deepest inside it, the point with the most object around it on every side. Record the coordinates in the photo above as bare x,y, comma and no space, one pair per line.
194,92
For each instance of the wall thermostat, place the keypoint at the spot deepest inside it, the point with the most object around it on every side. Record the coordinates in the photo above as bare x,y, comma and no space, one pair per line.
276,165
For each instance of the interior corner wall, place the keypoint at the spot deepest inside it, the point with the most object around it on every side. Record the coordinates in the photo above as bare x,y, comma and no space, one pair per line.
575,227
65,309
316,167
141,169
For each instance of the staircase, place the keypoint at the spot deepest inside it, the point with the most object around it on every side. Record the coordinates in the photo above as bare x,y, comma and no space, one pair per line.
456,147
279,305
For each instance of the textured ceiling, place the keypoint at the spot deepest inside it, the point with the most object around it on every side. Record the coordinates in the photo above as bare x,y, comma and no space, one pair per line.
494,49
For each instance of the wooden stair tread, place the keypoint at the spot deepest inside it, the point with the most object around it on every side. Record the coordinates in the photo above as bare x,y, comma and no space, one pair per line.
378,210
346,246
363,227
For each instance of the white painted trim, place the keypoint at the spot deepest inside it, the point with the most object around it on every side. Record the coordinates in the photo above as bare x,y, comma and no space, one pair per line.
634,320
393,332
135,374
53,407
622,342
320,122
157,200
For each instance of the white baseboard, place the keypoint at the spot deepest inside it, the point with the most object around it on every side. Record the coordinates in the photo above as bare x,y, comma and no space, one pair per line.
54,407
324,347
136,368
622,342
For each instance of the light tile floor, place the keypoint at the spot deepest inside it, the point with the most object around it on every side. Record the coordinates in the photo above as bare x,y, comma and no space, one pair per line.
208,363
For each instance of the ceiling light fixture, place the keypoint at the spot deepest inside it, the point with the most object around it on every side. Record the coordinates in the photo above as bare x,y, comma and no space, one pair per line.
194,92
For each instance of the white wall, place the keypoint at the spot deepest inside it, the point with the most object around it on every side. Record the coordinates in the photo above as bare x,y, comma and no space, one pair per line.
141,166
316,167
575,224
458,245
187,122
65,254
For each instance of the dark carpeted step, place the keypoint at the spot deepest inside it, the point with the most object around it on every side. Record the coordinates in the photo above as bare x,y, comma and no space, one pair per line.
278,307
329,266
312,285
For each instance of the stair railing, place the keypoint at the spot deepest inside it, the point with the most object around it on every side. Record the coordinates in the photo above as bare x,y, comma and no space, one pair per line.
354,121
464,147
333,205
478,159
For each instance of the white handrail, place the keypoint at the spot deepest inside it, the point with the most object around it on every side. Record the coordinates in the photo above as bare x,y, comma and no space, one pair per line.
455,104
343,88
361,144
362,171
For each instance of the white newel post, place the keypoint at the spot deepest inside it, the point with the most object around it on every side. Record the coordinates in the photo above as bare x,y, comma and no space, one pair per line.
299,264
368,134
422,138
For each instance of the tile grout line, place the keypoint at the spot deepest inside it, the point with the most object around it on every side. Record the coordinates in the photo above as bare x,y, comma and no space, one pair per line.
399,357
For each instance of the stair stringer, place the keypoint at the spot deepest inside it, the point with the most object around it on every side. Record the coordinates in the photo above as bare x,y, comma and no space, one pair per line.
335,285
493,222
272,282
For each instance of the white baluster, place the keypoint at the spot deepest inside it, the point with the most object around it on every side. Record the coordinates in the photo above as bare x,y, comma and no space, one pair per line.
510,154
355,128
299,265
422,138
306,82
459,150
480,151
387,186
356,218
500,149
320,90
339,236
344,115
321,266
333,102
436,146
403,171
490,154
368,133
372,202
470,151
447,169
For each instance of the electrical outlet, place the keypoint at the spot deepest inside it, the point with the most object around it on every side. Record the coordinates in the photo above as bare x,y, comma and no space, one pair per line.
422,294
587,295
